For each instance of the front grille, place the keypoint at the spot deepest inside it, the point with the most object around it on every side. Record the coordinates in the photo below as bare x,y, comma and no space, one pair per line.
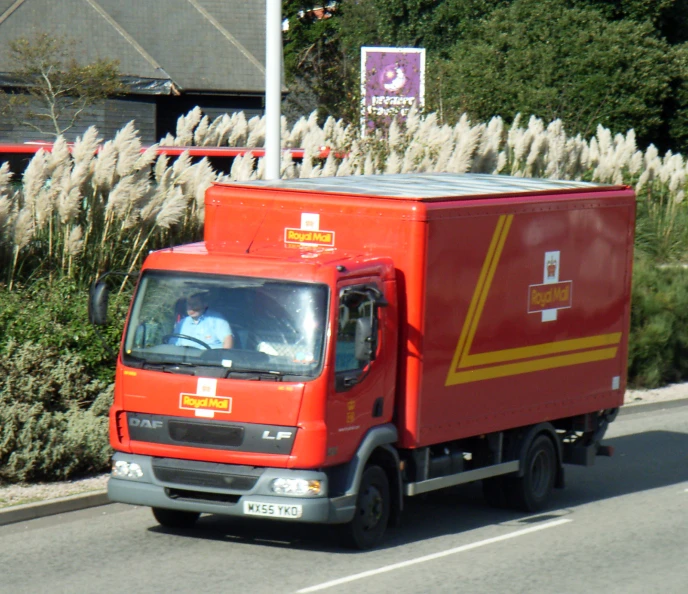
210,434
205,479
208,475
205,434
201,496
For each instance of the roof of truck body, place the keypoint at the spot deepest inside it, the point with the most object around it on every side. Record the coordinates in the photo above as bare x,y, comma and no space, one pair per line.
425,186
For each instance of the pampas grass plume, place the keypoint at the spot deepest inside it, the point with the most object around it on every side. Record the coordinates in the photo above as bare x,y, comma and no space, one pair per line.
5,178
6,207
75,243
59,156
68,204
200,135
172,209
35,176
239,132
86,146
146,158
128,147
105,167
24,228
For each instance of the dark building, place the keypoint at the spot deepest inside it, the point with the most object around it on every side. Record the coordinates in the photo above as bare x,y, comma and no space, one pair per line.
173,55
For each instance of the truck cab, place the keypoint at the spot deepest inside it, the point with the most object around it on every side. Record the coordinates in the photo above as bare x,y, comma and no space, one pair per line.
310,372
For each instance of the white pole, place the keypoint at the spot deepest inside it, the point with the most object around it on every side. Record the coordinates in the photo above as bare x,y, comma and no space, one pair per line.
273,87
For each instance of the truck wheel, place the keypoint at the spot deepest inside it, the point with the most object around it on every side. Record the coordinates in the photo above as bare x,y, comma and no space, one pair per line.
531,491
173,518
372,510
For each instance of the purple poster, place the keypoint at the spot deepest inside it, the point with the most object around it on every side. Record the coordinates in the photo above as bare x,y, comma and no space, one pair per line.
392,80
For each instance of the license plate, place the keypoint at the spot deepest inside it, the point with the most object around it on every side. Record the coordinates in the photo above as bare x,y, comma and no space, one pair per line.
273,510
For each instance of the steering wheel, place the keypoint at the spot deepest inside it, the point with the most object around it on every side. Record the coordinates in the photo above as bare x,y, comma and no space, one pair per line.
185,337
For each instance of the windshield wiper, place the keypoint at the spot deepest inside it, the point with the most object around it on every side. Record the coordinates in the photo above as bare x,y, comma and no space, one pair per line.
254,374
166,366
169,367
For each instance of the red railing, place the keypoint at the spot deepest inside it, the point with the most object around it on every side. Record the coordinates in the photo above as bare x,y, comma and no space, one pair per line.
221,157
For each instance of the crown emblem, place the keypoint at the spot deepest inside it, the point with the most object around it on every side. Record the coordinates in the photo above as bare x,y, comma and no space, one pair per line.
551,267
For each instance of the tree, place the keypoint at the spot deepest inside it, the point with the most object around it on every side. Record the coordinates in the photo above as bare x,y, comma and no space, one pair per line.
54,87
619,63
322,52
435,25
540,57
675,126
313,65
669,17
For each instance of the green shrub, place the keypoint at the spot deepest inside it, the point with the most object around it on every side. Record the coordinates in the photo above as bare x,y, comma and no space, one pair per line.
658,349
55,382
53,416
56,315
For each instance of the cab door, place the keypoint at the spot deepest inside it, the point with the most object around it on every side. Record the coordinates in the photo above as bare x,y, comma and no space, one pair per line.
357,391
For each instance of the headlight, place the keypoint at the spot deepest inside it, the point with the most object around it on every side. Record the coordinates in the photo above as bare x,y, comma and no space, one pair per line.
297,487
123,469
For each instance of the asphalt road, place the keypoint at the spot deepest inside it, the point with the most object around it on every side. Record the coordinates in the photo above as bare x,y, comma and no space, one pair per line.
620,526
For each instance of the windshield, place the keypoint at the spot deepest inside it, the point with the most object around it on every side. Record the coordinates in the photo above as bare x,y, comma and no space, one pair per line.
239,325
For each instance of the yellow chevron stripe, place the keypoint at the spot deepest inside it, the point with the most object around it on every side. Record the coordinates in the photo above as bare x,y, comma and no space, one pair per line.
483,373
541,350
501,235
484,273
501,363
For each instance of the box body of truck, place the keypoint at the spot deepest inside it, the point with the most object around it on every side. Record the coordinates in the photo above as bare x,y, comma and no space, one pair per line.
495,309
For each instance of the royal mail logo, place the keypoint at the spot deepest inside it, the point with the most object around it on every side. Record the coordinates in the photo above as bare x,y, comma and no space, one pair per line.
306,237
550,296
210,403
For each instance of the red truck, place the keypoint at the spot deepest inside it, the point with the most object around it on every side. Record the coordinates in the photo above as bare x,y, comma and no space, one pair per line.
389,336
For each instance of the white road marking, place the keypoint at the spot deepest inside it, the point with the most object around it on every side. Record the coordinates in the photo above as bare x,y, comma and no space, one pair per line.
424,559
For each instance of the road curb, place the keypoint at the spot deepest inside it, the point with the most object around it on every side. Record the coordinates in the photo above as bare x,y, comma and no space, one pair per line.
628,409
41,509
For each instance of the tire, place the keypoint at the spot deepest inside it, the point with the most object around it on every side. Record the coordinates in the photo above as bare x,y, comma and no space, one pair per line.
531,492
373,507
172,518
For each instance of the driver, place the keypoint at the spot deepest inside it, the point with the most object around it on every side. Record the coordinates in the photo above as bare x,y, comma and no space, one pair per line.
203,324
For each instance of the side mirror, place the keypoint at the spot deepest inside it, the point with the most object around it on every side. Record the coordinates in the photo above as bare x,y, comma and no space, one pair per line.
364,343
98,303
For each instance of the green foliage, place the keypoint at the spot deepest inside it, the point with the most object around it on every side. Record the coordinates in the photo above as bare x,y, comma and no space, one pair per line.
57,87
661,232
53,415
322,56
675,125
313,64
432,24
658,346
669,17
538,57
55,316
616,63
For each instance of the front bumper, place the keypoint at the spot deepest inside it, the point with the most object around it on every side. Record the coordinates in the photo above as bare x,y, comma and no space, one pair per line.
152,492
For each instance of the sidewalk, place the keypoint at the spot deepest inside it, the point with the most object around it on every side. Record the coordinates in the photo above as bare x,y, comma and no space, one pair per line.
50,499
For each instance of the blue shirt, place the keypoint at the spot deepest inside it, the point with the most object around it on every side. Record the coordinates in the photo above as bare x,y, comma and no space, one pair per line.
210,327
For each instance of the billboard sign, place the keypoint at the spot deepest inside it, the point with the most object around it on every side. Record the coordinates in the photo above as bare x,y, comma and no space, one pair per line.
392,81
